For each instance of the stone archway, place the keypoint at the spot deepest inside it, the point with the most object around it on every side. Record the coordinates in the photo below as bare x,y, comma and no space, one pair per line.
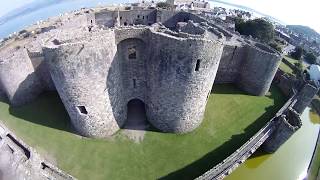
136,115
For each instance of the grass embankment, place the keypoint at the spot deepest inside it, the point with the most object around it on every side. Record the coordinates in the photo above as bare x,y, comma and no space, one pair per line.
285,68
231,118
288,69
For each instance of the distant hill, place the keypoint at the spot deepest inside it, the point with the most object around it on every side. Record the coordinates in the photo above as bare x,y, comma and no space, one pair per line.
249,10
305,30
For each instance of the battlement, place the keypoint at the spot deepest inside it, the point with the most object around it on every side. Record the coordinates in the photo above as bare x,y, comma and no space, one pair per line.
99,60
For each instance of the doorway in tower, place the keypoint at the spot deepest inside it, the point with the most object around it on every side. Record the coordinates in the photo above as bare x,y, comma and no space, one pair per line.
136,115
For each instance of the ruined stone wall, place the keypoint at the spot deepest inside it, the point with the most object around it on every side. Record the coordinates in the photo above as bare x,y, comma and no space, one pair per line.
133,56
41,70
178,87
258,69
81,73
230,63
109,18
286,125
306,95
170,18
20,161
20,82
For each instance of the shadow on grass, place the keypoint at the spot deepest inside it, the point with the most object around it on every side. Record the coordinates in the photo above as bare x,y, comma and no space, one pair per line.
216,156
226,89
47,110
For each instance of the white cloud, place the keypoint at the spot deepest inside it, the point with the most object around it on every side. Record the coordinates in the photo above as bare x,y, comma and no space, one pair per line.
304,12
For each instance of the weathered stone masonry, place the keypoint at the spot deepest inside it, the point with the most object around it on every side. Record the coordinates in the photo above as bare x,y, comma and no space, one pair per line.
102,62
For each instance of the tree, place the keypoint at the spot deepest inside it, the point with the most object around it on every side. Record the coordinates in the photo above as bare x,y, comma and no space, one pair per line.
297,53
257,28
164,5
310,58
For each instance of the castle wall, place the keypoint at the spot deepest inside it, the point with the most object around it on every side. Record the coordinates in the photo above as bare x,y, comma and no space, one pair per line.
108,18
133,69
41,70
87,84
170,18
176,90
285,127
306,95
230,63
258,69
20,82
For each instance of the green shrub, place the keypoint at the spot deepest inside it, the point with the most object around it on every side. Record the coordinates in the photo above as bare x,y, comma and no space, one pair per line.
297,53
164,5
257,28
276,46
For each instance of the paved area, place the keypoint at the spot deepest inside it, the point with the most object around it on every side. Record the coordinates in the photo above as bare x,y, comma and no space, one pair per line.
6,170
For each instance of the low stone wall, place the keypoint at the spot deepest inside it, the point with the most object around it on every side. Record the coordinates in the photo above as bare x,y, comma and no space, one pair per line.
19,161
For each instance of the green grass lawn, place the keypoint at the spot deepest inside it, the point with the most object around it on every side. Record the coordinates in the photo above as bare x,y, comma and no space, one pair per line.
291,60
285,68
231,118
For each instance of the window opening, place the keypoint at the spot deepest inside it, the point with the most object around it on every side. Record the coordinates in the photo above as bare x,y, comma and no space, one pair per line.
132,53
82,110
198,65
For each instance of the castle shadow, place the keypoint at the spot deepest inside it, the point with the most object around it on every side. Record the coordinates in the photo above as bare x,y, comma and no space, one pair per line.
216,156
46,110
227,89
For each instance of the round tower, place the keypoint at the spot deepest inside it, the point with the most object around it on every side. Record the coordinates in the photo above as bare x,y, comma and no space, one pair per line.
17,76
258,69
86,83
180,76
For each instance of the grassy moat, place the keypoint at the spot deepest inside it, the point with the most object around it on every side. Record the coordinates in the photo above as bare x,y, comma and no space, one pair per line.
231,118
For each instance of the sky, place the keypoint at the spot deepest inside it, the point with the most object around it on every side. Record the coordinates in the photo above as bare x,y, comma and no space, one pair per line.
306,12
6,6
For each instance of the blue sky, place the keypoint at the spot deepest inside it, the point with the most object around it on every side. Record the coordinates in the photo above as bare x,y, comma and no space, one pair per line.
306,12
6,6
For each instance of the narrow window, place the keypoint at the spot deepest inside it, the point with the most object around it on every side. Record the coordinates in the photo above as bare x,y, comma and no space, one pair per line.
138,16
91,21
134,83
125,23
198,65
142,17
120,17
132,53
82,110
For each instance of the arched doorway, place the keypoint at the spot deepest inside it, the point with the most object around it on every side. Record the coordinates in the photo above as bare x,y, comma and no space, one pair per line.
136,115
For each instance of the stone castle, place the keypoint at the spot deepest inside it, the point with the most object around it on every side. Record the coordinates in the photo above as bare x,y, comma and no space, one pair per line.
99,60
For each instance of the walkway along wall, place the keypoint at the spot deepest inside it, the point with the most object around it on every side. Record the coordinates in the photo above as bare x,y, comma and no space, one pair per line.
276,132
